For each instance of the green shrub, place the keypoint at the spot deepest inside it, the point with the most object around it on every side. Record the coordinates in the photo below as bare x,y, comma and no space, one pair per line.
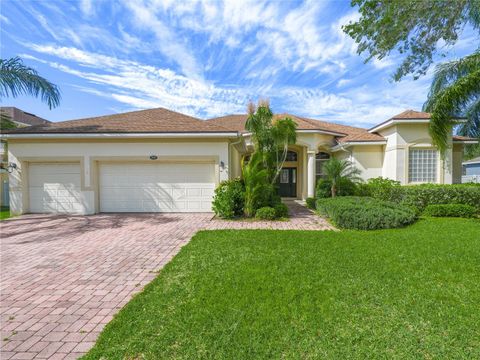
266,213
229,199
420,196
311,203
450,210
365,213
384,189
345,187
281,210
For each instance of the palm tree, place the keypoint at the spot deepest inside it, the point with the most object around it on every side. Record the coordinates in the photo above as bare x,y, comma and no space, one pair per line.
17,78
336,170
284,133
455,91
257,186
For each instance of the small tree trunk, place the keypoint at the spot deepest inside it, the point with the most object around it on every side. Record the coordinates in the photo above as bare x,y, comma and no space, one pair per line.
334,191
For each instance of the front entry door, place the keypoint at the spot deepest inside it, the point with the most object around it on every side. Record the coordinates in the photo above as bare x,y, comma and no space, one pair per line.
287,182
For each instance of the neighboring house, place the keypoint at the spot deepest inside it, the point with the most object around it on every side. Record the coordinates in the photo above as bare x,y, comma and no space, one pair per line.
471,170
21,119
161,161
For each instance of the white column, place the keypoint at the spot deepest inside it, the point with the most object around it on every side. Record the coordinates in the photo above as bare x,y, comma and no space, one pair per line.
310,173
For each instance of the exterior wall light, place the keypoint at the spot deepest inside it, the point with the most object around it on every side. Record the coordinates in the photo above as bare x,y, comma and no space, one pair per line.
10,167
222,165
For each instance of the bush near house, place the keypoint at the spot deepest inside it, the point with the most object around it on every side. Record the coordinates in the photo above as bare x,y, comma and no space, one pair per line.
266,213
420,196
281,210
311,203
229,202
450,210
229,199
365,213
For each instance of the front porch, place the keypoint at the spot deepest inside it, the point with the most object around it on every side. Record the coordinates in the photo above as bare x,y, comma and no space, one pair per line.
302,168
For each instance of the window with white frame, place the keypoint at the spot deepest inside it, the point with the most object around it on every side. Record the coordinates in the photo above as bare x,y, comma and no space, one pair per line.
320,160
422,165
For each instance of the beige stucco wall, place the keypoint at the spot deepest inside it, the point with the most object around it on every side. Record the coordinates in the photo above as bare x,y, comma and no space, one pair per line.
402,137
368,159
457,158
90,153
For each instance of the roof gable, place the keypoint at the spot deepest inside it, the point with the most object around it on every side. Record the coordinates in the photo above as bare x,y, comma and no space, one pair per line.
345,133
411,115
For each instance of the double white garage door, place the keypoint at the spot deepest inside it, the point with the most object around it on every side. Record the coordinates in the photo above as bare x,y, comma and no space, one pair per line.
124,187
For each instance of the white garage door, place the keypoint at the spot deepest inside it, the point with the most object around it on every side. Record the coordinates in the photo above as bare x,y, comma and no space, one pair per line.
128,187
55,188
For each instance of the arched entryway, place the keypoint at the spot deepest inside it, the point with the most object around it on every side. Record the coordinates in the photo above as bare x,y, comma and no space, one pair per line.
288,178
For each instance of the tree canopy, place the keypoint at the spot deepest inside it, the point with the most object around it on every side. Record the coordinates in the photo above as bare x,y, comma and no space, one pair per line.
417,29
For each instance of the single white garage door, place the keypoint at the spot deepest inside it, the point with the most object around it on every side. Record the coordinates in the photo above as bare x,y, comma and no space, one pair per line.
161,187
55,188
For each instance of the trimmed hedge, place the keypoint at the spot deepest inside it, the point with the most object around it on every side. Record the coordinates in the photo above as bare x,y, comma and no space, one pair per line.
365,213
229,199
311,203
420,196
450,210
281,210
266,213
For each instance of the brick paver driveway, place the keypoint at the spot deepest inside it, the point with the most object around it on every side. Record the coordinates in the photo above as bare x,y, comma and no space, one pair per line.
63,278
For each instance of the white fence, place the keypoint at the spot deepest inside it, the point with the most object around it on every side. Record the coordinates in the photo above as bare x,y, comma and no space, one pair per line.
470,178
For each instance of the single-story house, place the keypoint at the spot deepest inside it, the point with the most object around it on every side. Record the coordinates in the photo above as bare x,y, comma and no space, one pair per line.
162,161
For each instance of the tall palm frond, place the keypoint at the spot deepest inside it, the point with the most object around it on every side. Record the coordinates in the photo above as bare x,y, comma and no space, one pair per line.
284,133
454,92
17,78
255,177
451,101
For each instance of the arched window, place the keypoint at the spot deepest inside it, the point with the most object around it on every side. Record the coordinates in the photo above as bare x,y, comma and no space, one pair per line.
291,156
320,160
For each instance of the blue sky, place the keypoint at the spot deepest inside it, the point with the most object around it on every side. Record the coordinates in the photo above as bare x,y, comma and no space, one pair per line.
205,58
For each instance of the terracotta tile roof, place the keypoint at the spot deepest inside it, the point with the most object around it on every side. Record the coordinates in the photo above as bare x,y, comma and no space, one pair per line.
349,133
21,116
353,134
237,122
410,115
158,120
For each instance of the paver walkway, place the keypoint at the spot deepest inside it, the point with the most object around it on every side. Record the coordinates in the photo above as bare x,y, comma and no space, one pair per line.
301,218
64,277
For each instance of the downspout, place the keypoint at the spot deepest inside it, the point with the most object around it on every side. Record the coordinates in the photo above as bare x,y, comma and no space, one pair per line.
230,160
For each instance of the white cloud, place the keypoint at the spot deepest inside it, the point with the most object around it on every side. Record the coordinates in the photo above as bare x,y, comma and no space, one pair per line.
145,86
383,63
4,19
343,82
168,43
87,7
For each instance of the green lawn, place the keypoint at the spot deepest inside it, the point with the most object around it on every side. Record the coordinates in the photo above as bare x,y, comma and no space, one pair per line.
396,294
4,213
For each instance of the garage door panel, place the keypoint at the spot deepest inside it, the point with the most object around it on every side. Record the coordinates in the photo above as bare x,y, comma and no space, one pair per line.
156,187
55,188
